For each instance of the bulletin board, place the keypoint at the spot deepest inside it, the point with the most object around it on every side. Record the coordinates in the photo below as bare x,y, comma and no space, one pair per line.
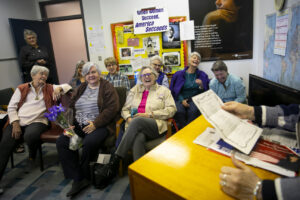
133,51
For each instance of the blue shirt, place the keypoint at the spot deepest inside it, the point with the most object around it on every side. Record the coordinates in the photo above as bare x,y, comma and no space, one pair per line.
234,89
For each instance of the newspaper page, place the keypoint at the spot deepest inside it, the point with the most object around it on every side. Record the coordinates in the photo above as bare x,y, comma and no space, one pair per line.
233,130
266,155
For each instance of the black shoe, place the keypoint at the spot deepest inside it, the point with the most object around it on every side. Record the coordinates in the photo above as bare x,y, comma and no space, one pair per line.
30,165
78,186
1,190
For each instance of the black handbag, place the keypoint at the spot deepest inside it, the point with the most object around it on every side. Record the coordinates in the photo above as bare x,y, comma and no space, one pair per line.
97,178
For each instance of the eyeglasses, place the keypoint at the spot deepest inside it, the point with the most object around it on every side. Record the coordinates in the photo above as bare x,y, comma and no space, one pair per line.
156,65
148,74
110,65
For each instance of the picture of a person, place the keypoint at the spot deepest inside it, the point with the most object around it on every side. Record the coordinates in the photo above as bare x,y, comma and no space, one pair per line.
126,52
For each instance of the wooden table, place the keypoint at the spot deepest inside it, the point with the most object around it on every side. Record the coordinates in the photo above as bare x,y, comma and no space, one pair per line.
180,169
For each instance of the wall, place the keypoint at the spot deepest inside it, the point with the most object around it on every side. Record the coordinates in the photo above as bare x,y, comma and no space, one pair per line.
10,75
114,11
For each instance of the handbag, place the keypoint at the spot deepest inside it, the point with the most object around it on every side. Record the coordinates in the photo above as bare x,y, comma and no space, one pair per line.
98,180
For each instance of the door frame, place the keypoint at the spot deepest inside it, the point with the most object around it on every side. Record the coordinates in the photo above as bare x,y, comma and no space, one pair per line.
42,6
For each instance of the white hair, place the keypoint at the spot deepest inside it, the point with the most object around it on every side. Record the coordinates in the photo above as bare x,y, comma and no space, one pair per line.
87,66
196,54
37,69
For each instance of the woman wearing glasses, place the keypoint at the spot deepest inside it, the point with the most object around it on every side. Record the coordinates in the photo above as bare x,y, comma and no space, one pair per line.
146,111
156,62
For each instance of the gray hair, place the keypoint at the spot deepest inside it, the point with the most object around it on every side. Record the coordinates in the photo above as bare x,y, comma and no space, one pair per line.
152,71
79,63
29,32
196,54
156,57
37,69
219,65
87,66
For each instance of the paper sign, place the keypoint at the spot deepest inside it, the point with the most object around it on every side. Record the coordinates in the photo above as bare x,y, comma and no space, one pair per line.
150,20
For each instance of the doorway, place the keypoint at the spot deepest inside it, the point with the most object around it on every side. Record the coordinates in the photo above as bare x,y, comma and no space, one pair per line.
67,35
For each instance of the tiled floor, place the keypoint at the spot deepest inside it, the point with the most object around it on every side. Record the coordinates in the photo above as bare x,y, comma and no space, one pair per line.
51,184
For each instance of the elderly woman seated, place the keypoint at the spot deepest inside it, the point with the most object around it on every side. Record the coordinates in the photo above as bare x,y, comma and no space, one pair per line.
147,109
184,85
25,110
95,105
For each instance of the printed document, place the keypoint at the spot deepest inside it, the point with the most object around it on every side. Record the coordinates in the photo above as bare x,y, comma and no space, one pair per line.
233,130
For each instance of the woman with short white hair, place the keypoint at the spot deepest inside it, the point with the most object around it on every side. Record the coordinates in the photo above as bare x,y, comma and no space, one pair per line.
26,115
95,104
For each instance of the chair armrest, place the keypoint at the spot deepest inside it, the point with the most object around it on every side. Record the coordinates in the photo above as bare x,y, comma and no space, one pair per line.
169,131
118,126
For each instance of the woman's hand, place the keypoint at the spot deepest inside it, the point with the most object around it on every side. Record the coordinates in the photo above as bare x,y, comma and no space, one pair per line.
16,130
66,131
41,61
185,103
129,120
57,93
238,182
142,115
89,128
199,82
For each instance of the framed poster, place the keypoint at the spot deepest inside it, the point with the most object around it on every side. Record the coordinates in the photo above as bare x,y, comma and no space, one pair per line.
171,37
223,29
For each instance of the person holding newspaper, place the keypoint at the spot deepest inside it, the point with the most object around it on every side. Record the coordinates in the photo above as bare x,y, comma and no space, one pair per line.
241,182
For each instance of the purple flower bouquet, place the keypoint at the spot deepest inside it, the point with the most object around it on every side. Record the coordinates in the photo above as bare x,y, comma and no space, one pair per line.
58,115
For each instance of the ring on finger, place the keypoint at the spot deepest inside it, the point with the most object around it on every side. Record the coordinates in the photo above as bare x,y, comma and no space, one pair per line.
223,183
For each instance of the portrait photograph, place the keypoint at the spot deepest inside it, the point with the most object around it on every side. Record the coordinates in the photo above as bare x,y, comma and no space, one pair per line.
126,53
171,37
223,29
171,59
126,69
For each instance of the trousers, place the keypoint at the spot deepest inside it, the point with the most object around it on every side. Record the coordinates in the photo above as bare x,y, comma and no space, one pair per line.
31,134
78,168
139,131
184,115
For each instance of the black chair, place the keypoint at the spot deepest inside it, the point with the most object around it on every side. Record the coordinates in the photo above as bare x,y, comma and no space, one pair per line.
5,96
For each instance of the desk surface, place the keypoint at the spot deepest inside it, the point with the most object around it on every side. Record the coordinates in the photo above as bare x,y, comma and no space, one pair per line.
183,169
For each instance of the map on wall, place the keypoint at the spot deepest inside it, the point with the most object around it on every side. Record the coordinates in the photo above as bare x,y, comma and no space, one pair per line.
283,69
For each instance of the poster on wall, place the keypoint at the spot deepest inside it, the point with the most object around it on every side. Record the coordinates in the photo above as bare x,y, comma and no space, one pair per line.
170,59
126,69
171,37
126,53
223,29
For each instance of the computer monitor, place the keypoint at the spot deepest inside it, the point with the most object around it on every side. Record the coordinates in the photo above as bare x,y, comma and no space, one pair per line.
265,92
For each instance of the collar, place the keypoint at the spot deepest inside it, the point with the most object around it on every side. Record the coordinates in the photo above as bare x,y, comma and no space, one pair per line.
141,87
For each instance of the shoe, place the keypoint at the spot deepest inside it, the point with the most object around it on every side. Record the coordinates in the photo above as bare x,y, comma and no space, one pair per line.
78,186
30,165
1,190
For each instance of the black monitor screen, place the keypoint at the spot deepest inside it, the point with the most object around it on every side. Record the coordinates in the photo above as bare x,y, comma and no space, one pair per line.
265,92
